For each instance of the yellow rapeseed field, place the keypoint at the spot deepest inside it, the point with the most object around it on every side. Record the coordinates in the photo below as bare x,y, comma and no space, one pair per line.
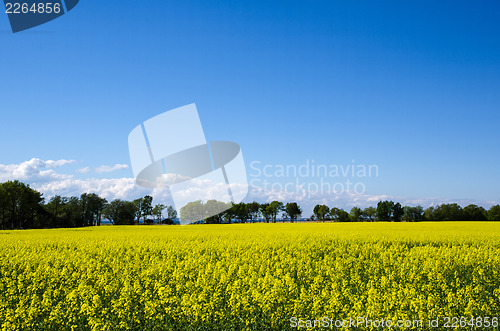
250,276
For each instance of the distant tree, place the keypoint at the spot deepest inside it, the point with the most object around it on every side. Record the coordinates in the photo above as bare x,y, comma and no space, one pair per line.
72,214
475,213
321,212
413,214
397,212
418,213
407,214
342,215
253,210
316,212
274,209
3,206
356,214
56,209
448,212
494,213
334,213
171,212
214,211
293,211
19,206
55,206
110,212
126,214
86,211
138,209
429,214
264,210
241,211
369,213
92,206
158,212
384,210
193,212
120,212
339,215
147,206
229,214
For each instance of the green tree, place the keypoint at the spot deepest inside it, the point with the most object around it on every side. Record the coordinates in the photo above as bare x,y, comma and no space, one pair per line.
147,206
475,213
241,211
74,212
321,212
265,212
120,212
127,213
448,212
339,215
413,214
138,209
397,212
20,206
356,214
215,211
429,213
193,212
370,213
254,210
86,211
274,209
293,210
110,212
3,207
229,214
418,213
56,205
58,210
171,212
92,206
384,210
158,212
494,213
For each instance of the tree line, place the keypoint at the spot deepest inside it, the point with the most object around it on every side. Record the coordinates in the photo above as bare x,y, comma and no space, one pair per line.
216,212
385,211
389,211
22,207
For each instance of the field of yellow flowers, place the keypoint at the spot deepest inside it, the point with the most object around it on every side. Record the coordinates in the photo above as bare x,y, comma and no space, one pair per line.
248,276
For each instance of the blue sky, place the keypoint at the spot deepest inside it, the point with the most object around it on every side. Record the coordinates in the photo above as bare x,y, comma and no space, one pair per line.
410,88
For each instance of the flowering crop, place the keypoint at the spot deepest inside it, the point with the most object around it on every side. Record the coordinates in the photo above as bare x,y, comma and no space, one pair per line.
245,276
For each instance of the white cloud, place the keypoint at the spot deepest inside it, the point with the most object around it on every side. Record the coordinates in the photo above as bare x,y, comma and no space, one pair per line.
42,176
34,170
106,168
83,170
115,188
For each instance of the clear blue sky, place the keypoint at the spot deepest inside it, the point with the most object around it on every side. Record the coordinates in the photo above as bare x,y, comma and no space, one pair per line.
413,88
